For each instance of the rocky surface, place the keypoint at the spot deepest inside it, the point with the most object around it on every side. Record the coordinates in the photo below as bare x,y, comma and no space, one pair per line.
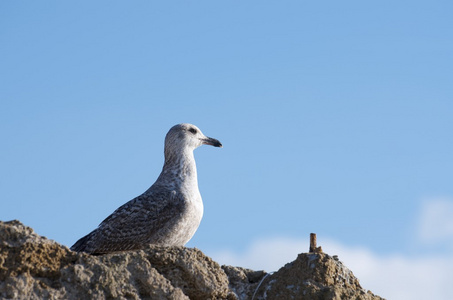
313,276
33,267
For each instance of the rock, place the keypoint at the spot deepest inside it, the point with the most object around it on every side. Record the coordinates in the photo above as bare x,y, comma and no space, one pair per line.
33,267
189,269
313,276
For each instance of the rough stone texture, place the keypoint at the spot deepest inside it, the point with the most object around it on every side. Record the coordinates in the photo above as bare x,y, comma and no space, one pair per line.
33,267
243,282
189,269
313,276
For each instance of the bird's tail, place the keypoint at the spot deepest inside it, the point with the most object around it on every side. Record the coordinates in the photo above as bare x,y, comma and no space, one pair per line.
82,244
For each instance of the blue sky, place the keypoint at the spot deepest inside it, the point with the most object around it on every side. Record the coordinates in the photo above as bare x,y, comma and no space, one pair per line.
336,118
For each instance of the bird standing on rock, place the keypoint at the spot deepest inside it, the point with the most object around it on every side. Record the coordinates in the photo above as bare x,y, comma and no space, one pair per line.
168,213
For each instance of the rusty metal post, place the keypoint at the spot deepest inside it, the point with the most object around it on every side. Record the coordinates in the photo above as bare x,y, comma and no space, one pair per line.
312,243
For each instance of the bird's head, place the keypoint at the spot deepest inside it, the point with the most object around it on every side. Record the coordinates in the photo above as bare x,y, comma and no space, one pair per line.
187,137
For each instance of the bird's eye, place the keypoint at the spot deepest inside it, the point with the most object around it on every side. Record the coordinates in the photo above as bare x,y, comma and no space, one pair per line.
193,130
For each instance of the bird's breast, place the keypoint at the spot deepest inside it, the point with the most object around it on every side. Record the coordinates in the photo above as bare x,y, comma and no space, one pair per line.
194,204
188,221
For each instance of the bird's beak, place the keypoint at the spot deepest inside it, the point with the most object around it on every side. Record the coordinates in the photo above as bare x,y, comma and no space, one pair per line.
212,142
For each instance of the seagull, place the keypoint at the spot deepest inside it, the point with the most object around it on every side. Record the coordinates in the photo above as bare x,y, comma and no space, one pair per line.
168,213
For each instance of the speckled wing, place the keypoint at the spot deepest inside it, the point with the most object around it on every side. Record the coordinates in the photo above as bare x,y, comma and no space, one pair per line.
145,219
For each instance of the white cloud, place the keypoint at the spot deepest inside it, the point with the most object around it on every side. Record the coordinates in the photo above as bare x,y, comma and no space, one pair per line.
436,221
397,276
393,277
266,254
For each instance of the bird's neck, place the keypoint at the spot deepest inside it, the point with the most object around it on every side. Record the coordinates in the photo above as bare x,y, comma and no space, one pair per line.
180,166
